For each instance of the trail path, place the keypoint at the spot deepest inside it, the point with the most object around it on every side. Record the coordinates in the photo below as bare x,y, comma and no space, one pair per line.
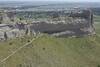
19,49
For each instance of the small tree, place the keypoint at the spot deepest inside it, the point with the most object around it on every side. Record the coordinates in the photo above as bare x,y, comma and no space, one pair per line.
0,22
98,66
5,36
26,31
1,19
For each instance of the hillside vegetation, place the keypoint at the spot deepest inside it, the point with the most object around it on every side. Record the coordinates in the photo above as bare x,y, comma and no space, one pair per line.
48,51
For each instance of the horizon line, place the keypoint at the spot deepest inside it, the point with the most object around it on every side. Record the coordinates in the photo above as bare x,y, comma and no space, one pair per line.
48,1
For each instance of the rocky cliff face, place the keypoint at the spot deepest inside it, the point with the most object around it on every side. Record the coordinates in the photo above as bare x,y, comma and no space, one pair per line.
75,23
81,24
8,31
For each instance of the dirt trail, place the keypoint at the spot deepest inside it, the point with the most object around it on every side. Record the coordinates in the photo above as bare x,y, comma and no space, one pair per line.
6,58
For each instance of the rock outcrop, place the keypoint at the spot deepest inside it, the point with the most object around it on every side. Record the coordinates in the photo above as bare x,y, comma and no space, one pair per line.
77,23
81,24
10,31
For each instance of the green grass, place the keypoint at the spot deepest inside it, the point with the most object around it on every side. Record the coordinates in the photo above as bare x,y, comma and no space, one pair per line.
97,18
53,52
48,51
97,24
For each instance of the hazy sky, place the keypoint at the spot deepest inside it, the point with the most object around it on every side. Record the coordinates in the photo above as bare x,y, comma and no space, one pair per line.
58,0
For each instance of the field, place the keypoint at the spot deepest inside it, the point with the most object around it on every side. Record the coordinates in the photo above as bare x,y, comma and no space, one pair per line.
48,51
97,24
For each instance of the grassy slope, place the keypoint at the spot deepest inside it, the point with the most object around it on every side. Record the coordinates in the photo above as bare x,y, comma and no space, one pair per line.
97,24
53,52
